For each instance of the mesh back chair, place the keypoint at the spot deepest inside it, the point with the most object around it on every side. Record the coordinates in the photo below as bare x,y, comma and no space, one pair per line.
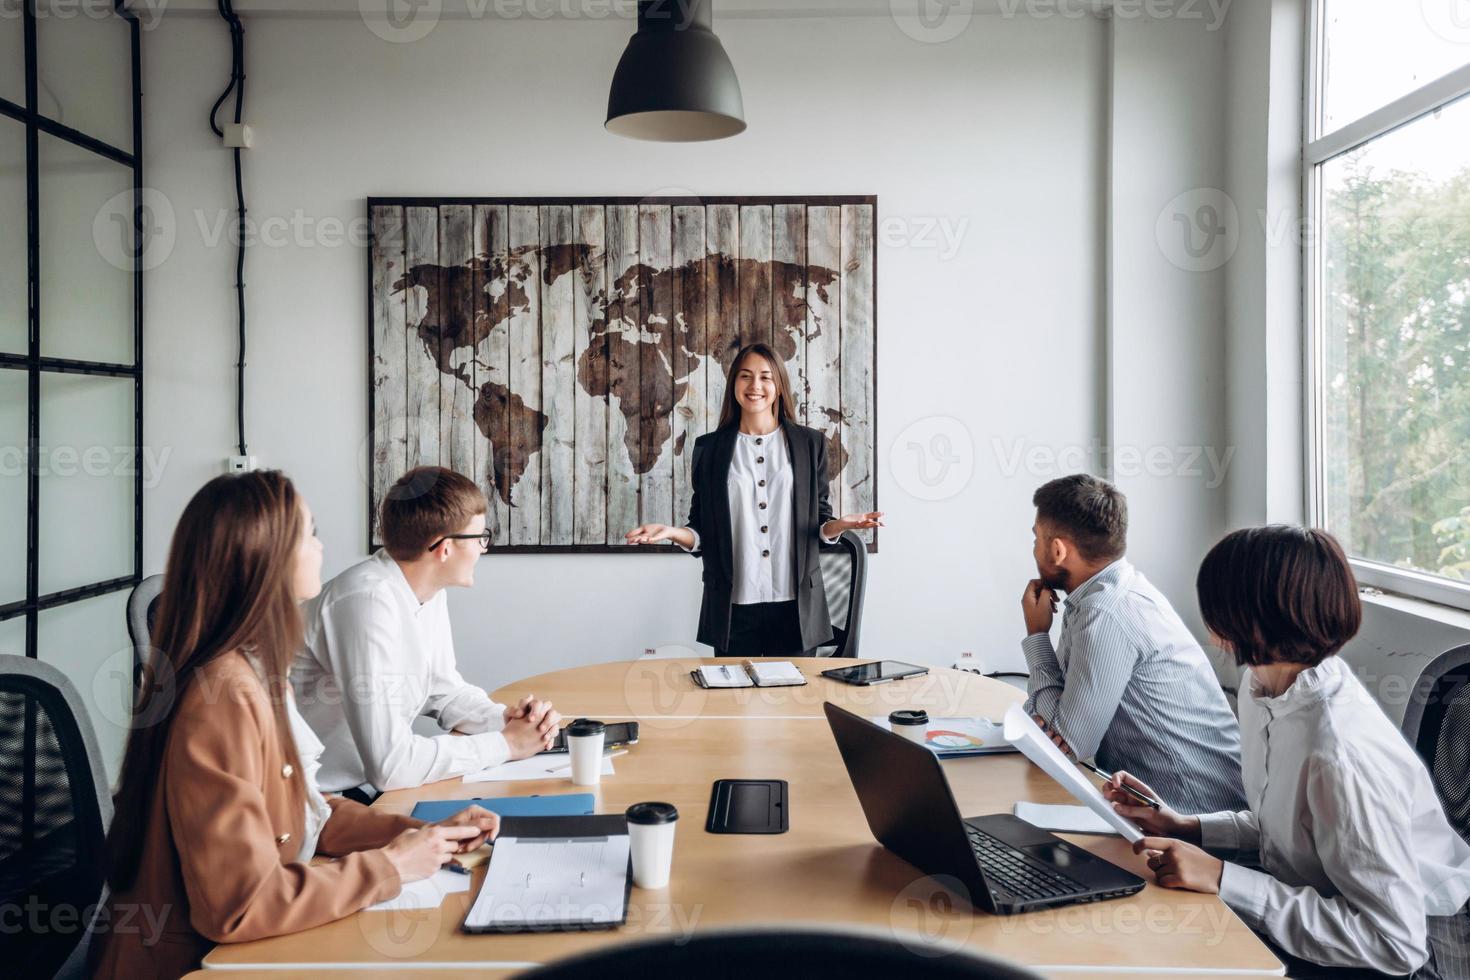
845,574
142,610
812,954
1437,724
54,810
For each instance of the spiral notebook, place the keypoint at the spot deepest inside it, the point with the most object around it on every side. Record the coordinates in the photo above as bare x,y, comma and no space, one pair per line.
775,673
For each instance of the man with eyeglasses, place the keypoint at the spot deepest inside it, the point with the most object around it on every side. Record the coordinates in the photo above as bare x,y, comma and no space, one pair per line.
379,653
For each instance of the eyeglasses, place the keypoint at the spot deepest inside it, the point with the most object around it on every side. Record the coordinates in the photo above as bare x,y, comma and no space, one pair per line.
484,537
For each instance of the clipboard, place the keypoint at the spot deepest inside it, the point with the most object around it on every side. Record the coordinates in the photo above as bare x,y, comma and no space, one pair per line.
561,849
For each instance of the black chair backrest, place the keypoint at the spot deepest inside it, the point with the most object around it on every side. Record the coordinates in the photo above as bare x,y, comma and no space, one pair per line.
845,575
142,609
54,811
1437,724
805,953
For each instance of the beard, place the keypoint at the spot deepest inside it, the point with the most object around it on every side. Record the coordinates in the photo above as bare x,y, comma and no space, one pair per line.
1054,578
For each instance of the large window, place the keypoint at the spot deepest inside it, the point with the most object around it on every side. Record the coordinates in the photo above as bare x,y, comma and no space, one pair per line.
1388,171
71,379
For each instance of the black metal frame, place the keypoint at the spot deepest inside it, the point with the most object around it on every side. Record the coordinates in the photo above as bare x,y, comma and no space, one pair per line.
33,363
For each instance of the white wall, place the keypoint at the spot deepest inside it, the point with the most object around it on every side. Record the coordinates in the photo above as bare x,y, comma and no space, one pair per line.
1003,131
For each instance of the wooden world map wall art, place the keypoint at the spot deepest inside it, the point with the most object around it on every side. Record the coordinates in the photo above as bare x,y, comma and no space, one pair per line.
567,352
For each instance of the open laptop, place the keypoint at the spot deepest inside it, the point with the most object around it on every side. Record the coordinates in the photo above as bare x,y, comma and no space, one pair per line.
1007,865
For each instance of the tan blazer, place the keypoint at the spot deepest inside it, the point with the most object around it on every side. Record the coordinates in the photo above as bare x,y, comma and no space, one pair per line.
219,860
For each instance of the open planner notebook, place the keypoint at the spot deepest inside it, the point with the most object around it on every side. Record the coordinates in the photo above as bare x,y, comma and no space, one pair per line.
555,873
751,673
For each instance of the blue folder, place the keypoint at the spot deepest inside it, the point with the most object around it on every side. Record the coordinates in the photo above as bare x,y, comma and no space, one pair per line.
561,805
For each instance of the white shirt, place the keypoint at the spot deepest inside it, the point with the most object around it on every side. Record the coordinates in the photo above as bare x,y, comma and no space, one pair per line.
760,487
375,659
309,751
1355,846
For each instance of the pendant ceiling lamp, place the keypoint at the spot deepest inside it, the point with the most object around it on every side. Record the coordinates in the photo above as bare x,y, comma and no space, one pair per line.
674,82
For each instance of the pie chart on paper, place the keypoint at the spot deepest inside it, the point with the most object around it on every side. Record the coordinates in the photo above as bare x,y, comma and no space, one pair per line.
944,738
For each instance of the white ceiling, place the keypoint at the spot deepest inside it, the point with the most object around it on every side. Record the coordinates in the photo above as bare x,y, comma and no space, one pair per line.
591,9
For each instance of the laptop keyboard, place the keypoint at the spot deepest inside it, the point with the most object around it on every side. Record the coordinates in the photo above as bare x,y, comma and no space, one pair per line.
1019,874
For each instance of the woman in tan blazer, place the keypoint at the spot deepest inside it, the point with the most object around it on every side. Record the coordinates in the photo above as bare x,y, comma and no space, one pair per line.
215,818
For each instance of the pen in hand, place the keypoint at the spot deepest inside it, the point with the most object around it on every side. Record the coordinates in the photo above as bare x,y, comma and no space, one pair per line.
1108,777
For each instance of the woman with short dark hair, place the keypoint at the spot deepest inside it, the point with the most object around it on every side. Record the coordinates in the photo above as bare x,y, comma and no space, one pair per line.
1360,870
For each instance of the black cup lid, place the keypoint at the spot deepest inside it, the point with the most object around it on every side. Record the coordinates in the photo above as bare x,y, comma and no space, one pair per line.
652,813
585,726
916,716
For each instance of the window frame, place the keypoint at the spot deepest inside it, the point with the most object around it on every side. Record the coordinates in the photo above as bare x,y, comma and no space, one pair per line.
1319,148
33,364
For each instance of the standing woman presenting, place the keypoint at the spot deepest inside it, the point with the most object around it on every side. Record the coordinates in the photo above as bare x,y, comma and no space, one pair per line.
758,514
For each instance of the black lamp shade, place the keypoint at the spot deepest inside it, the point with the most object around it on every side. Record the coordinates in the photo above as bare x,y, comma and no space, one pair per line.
674,82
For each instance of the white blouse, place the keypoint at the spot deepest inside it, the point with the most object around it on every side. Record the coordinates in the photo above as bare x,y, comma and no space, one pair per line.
760,519
1343,817
761,492
309,750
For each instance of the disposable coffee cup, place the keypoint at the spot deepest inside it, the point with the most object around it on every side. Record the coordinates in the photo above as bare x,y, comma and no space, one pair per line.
651,836
584,745
912,725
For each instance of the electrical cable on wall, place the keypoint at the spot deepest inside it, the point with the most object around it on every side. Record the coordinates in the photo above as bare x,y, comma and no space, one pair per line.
237,86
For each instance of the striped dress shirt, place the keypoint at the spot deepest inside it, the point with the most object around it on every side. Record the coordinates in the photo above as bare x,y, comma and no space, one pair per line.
1129,685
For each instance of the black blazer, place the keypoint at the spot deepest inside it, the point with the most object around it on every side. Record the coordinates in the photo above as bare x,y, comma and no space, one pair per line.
709,515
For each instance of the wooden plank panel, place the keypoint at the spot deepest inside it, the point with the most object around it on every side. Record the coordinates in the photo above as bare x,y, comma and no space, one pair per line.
822,380
722,303
390,446
857,358
656,404
589,324
421,410
623,378
492,365
755,273
528,424
558,373
456,331
788,295
689,363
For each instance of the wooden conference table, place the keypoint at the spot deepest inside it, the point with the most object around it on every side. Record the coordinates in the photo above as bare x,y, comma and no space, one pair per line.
826,869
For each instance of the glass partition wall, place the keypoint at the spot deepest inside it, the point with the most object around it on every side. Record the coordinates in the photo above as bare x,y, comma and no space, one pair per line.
72,229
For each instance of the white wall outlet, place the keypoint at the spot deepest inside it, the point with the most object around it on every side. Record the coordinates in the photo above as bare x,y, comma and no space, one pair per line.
241,464
239,135
969,662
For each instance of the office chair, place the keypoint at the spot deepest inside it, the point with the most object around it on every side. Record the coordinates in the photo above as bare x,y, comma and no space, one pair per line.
142,610
845,574
1437,724
54,811
806,953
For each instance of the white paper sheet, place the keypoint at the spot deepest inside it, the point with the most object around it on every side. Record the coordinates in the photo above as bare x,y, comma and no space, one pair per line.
536,767
1025,735
553,880
1062,819
426,893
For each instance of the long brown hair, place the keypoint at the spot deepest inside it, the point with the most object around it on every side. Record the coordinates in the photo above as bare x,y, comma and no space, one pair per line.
785,405
228,585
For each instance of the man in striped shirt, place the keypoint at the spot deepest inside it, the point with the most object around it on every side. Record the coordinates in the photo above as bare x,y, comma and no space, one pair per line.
1127,683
